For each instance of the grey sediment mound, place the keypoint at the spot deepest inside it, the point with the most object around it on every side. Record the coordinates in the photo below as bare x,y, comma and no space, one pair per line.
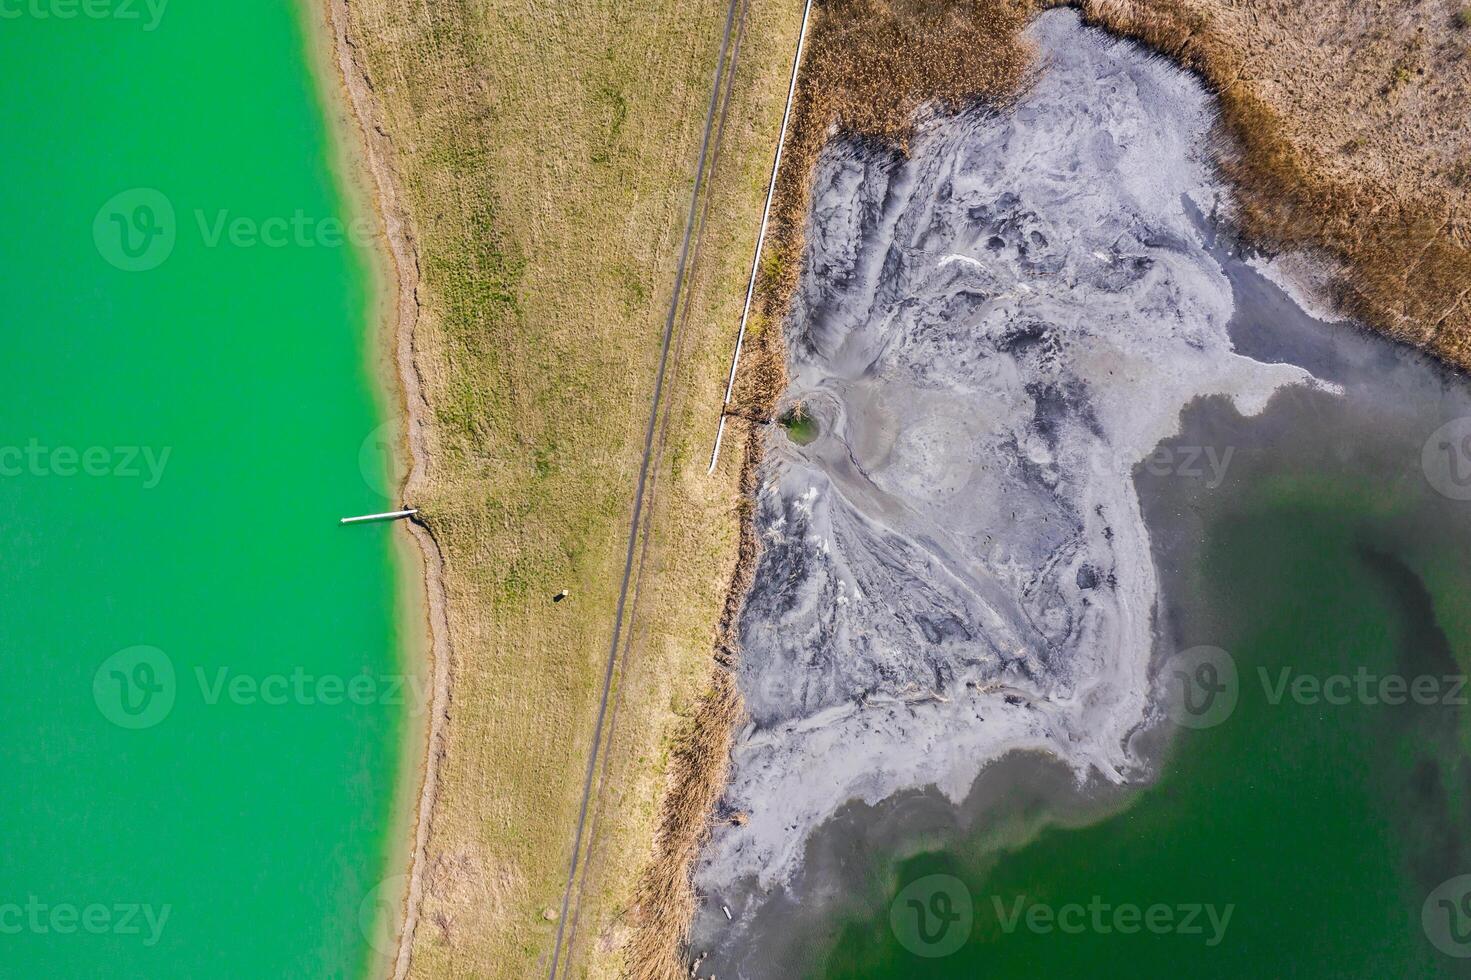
991,334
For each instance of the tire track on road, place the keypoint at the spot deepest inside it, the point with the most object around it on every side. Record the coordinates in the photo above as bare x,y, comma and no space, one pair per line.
681,332
643,482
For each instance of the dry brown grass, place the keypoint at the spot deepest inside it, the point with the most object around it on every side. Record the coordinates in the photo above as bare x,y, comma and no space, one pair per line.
544,156
666,895
1327,154
665,899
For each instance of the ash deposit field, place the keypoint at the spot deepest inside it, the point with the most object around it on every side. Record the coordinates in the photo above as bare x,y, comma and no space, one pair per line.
990,336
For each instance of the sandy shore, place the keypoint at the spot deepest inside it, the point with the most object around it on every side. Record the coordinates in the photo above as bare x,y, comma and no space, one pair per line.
366,159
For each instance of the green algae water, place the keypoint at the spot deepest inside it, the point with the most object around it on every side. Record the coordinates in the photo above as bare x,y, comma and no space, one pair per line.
204,706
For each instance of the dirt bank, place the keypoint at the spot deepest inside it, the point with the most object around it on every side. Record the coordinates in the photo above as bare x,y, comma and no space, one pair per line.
402,313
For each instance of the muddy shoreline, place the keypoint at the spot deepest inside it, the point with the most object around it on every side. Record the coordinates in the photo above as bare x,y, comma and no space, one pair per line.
376,177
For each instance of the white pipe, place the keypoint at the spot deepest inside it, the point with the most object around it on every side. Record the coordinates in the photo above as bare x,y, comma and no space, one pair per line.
761,237
392,515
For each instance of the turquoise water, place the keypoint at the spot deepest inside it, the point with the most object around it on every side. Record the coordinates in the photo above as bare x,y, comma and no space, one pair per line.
180,431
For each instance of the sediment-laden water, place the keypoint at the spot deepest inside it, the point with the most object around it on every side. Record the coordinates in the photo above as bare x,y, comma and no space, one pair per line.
1066,435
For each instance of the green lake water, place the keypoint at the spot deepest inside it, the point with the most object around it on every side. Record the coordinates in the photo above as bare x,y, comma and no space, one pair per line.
1323,826
1312,818
1333,817
202,720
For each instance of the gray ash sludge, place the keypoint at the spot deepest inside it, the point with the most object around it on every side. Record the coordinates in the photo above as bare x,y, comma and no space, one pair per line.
991,335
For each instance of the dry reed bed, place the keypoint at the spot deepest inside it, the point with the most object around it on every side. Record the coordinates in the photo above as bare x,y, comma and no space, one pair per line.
665,901
1397,264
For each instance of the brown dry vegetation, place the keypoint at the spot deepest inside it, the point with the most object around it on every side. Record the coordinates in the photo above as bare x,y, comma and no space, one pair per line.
1347,124
544,157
